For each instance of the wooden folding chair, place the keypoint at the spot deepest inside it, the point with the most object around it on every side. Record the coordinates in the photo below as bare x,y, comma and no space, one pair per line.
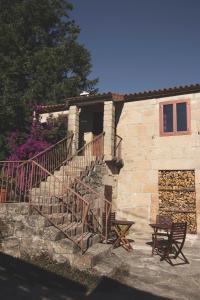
164,232
117,231
171,248
121,229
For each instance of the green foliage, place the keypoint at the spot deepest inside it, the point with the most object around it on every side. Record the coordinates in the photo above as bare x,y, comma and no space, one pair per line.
40,60
55,129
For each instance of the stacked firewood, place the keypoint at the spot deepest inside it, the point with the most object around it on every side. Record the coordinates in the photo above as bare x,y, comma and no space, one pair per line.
177,197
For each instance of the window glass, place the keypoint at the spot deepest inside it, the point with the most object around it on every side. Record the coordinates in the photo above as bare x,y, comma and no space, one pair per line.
168,118
181,116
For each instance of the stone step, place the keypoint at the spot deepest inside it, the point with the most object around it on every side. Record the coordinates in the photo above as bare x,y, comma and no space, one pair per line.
74,168
92,256
88,240
60,178
58,218
80,158
46,200
47,191
63,169
72,173
51,185
72,229
108,266
54,234
67,250
74,165
51,233
62,172
50,209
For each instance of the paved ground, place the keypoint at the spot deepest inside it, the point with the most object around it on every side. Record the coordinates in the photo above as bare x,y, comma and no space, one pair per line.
20,280
138,269
127,276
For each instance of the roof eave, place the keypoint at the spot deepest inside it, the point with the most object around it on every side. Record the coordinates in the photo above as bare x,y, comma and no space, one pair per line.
94,99
163,93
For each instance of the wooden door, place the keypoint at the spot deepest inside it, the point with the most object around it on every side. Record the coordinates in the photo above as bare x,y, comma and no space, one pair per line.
177,196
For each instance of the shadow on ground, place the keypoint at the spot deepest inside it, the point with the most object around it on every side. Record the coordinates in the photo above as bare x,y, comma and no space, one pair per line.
20,280
109,289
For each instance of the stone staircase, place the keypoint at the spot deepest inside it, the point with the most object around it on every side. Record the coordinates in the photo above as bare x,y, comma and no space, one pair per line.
63,219
68,201
65,193
32,234
76,167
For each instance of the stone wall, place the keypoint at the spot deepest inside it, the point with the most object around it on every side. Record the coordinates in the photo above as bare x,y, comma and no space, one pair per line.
26,232
145,152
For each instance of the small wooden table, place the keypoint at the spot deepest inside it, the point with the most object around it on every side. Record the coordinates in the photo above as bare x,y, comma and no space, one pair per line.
158,228
121,228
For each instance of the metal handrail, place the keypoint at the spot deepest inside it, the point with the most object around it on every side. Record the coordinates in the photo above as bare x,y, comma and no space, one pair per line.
51,147
52,157
107,205
89,144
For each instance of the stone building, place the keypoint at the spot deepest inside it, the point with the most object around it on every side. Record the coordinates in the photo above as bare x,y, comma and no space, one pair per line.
151,148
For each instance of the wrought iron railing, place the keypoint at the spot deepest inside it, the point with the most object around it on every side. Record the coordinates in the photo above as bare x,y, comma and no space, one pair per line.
15,181
75,168
52,157
83,159
98,205
64,208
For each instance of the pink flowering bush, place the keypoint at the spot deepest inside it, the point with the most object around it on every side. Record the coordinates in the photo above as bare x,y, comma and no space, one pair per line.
39,138
29,149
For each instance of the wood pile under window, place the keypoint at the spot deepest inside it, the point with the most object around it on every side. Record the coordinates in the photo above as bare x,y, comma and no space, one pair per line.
177,196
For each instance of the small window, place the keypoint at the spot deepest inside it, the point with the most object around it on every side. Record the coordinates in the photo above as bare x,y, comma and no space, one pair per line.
168,118
181,116
174,118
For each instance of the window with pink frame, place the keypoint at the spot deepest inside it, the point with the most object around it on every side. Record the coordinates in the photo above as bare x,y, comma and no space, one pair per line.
175,118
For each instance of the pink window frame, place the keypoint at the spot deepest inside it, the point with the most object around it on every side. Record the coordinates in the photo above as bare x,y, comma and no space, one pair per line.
175,132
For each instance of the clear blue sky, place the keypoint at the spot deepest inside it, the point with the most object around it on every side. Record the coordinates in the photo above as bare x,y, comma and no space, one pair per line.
139,45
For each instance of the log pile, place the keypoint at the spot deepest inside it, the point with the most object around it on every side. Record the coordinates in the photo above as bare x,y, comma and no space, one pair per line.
177,197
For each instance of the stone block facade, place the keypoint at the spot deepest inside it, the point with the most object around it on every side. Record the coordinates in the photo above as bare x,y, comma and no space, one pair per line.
145,152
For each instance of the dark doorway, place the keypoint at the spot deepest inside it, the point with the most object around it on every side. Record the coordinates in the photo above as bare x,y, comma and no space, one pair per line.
90,126
97,123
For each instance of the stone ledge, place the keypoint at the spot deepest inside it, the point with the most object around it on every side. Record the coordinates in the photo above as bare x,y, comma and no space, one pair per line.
92,256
